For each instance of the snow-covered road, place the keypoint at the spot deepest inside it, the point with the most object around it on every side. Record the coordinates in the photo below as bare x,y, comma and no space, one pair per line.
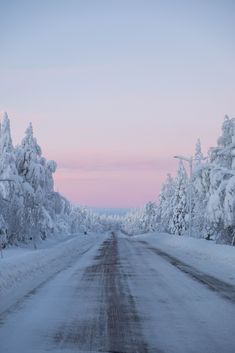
123,295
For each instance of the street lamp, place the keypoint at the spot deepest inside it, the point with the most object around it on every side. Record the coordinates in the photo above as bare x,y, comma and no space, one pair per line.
190,161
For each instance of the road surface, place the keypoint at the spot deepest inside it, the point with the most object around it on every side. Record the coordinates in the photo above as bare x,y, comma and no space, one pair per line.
123,296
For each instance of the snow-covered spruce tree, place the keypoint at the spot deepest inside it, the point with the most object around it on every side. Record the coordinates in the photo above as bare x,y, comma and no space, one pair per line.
198,156
164,208
31,169
221,208
45,211
139,221
10,185
148,220
200,193
29,160
221,155
201,188
150,217
178,224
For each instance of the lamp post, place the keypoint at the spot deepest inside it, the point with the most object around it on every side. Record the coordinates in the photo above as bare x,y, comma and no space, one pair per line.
190,161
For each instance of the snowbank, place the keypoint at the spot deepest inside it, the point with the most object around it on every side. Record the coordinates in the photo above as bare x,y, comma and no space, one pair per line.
206,256
28,269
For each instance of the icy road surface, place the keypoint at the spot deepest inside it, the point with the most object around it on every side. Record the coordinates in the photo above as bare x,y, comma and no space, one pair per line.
123,296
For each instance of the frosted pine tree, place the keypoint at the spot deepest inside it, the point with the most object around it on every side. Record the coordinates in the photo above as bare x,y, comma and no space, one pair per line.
29,163
220,208
198,157
28,154
221,155
36,174
8,169
178,223
165,209
10,186
6,140
150,217
200,193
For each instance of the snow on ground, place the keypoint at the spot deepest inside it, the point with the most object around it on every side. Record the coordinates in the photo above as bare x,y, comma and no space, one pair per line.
122,294
206,256
23,269
178,312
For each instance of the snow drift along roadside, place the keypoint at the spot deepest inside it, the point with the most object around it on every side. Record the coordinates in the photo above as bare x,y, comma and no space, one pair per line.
21,274
213,259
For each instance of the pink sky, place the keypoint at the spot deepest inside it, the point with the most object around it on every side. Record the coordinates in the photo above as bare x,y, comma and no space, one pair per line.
119,182
114,171
115,89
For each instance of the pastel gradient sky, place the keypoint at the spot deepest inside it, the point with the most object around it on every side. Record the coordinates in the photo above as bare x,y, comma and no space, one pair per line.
115,88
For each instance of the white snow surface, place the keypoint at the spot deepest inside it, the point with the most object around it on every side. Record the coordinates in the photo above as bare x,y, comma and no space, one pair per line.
206,256
24,269
177,313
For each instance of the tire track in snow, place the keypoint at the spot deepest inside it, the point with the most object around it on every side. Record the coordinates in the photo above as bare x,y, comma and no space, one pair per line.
115,325
18,305
224,289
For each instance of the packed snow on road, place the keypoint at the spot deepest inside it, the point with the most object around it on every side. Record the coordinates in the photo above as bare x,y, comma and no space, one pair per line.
111,292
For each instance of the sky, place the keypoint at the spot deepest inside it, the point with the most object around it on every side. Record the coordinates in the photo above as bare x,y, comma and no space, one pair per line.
114,89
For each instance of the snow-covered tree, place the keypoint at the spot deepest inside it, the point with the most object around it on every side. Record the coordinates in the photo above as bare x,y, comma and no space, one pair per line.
165,209
198,156
10,184
179,220
150,217
200,190
220,208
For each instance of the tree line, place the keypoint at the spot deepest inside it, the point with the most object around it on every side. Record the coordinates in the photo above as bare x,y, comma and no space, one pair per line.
203,205
30,209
